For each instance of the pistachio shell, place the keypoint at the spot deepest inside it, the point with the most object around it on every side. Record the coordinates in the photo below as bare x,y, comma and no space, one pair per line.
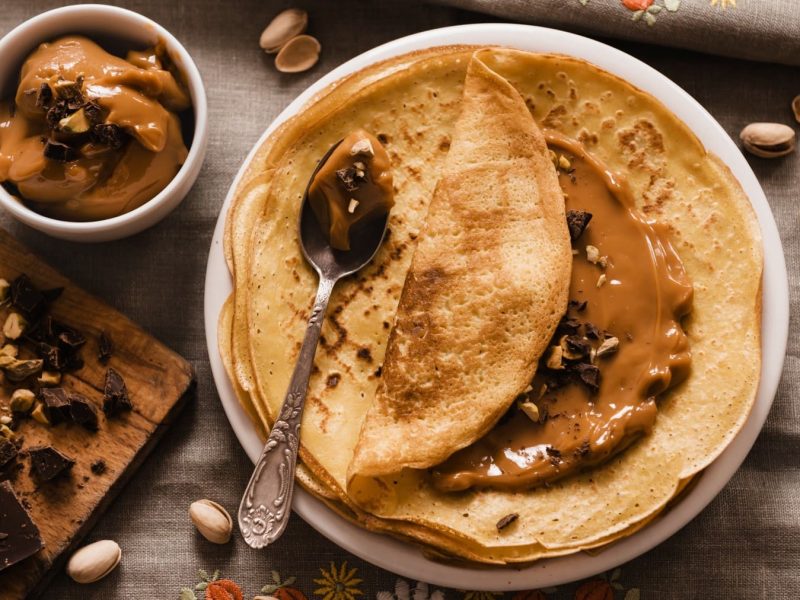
768,140
299,54
286,25
211,520
796,108
93,562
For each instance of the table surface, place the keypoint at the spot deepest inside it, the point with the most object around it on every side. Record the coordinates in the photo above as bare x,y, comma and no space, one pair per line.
745,544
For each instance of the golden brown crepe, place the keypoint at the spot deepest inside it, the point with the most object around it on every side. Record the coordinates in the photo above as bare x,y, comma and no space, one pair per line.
486,288
413,102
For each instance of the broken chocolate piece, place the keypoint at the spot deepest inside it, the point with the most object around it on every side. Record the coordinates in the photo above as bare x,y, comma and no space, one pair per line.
44,95
8,452
105,348
589,375
55,404
115,394
591,331
25,297
69,339
53,357
20,537
506,521
577,347
47,463
577,305
109,134
577,221
60,152
93,113
98,467
83,411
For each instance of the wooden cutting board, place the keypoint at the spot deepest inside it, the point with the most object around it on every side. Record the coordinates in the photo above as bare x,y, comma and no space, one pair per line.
158,380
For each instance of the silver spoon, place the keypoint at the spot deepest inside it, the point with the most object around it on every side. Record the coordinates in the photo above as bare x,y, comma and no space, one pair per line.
265,507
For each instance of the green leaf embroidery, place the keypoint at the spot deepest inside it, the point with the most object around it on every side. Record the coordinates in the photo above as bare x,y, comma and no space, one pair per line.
649,19
654,9
633,594
672,5
637,15
615,575
201,586
187,594
290,581
584,2
276,577
215,576
202,574
270,588
617,586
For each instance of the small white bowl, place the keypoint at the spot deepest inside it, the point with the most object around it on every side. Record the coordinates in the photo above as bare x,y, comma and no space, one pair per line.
126,29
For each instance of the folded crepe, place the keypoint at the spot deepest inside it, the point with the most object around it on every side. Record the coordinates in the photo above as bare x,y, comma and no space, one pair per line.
487,286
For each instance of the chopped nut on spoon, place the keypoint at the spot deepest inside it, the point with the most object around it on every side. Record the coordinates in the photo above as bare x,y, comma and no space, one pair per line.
352,188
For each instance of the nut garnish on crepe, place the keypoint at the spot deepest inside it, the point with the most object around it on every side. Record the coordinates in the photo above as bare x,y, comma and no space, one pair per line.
487,286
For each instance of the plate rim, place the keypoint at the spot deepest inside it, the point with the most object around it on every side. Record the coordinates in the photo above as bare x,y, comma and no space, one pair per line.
403,558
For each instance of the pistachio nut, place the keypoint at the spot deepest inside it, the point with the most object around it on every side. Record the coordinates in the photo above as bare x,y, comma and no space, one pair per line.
531,410
39,415
9,350
93,562
14,326
49,378
286,25
211,520
22,400
795,110
6,432
17,370
768,140
77,122
298,54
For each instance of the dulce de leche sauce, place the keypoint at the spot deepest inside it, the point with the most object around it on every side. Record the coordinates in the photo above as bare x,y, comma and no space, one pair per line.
91,135
352,187
586,404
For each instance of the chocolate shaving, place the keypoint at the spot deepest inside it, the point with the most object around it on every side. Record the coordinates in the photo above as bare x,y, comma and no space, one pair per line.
60,152
93,113
53,357
105,348
83,411
577,221
589,375
591,331
109,134
57,111
44,96
47,463
70,339
506,521
115,394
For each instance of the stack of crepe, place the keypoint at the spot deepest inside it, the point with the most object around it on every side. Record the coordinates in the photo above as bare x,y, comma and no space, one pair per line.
425,349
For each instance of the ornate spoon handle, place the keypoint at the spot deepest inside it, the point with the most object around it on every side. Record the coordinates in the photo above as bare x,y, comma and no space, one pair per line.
266,504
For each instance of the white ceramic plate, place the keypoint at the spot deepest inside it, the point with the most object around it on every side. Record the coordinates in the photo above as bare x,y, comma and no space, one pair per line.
405,559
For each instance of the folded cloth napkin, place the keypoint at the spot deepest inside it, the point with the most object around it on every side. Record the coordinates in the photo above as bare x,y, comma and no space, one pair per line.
766,30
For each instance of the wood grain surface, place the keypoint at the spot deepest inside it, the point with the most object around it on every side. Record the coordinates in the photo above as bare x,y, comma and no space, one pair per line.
158,380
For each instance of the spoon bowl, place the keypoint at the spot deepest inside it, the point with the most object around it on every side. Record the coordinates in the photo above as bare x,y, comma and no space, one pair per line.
265,507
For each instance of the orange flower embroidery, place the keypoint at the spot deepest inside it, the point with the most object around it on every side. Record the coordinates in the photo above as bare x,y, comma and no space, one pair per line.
637,4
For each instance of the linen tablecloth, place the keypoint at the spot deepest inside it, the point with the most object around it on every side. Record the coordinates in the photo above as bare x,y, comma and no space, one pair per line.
746,544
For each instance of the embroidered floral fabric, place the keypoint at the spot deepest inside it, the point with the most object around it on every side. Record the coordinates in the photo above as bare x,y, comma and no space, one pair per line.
744,545
767,30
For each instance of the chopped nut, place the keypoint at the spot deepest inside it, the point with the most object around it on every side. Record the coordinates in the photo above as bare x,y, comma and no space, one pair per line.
38,414
603,261
601,280
4,290
362,146
18,370
6,420
5,432
9,350
75,123
506,521
609,346
563,162
22,400
592,254
531,410
554,356
49,378
14,326
352,206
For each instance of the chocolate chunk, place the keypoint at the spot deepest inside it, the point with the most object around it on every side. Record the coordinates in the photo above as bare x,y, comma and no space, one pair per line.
25,297
577,221
55,404
568,325
83,411
8,451
577,305
57,111
98,467
70,90
20,537
47,463
60,152
589,375
70,339
591,331
577,345
44,96
93,113
54,359
115,397
105,348
506,521
109,134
